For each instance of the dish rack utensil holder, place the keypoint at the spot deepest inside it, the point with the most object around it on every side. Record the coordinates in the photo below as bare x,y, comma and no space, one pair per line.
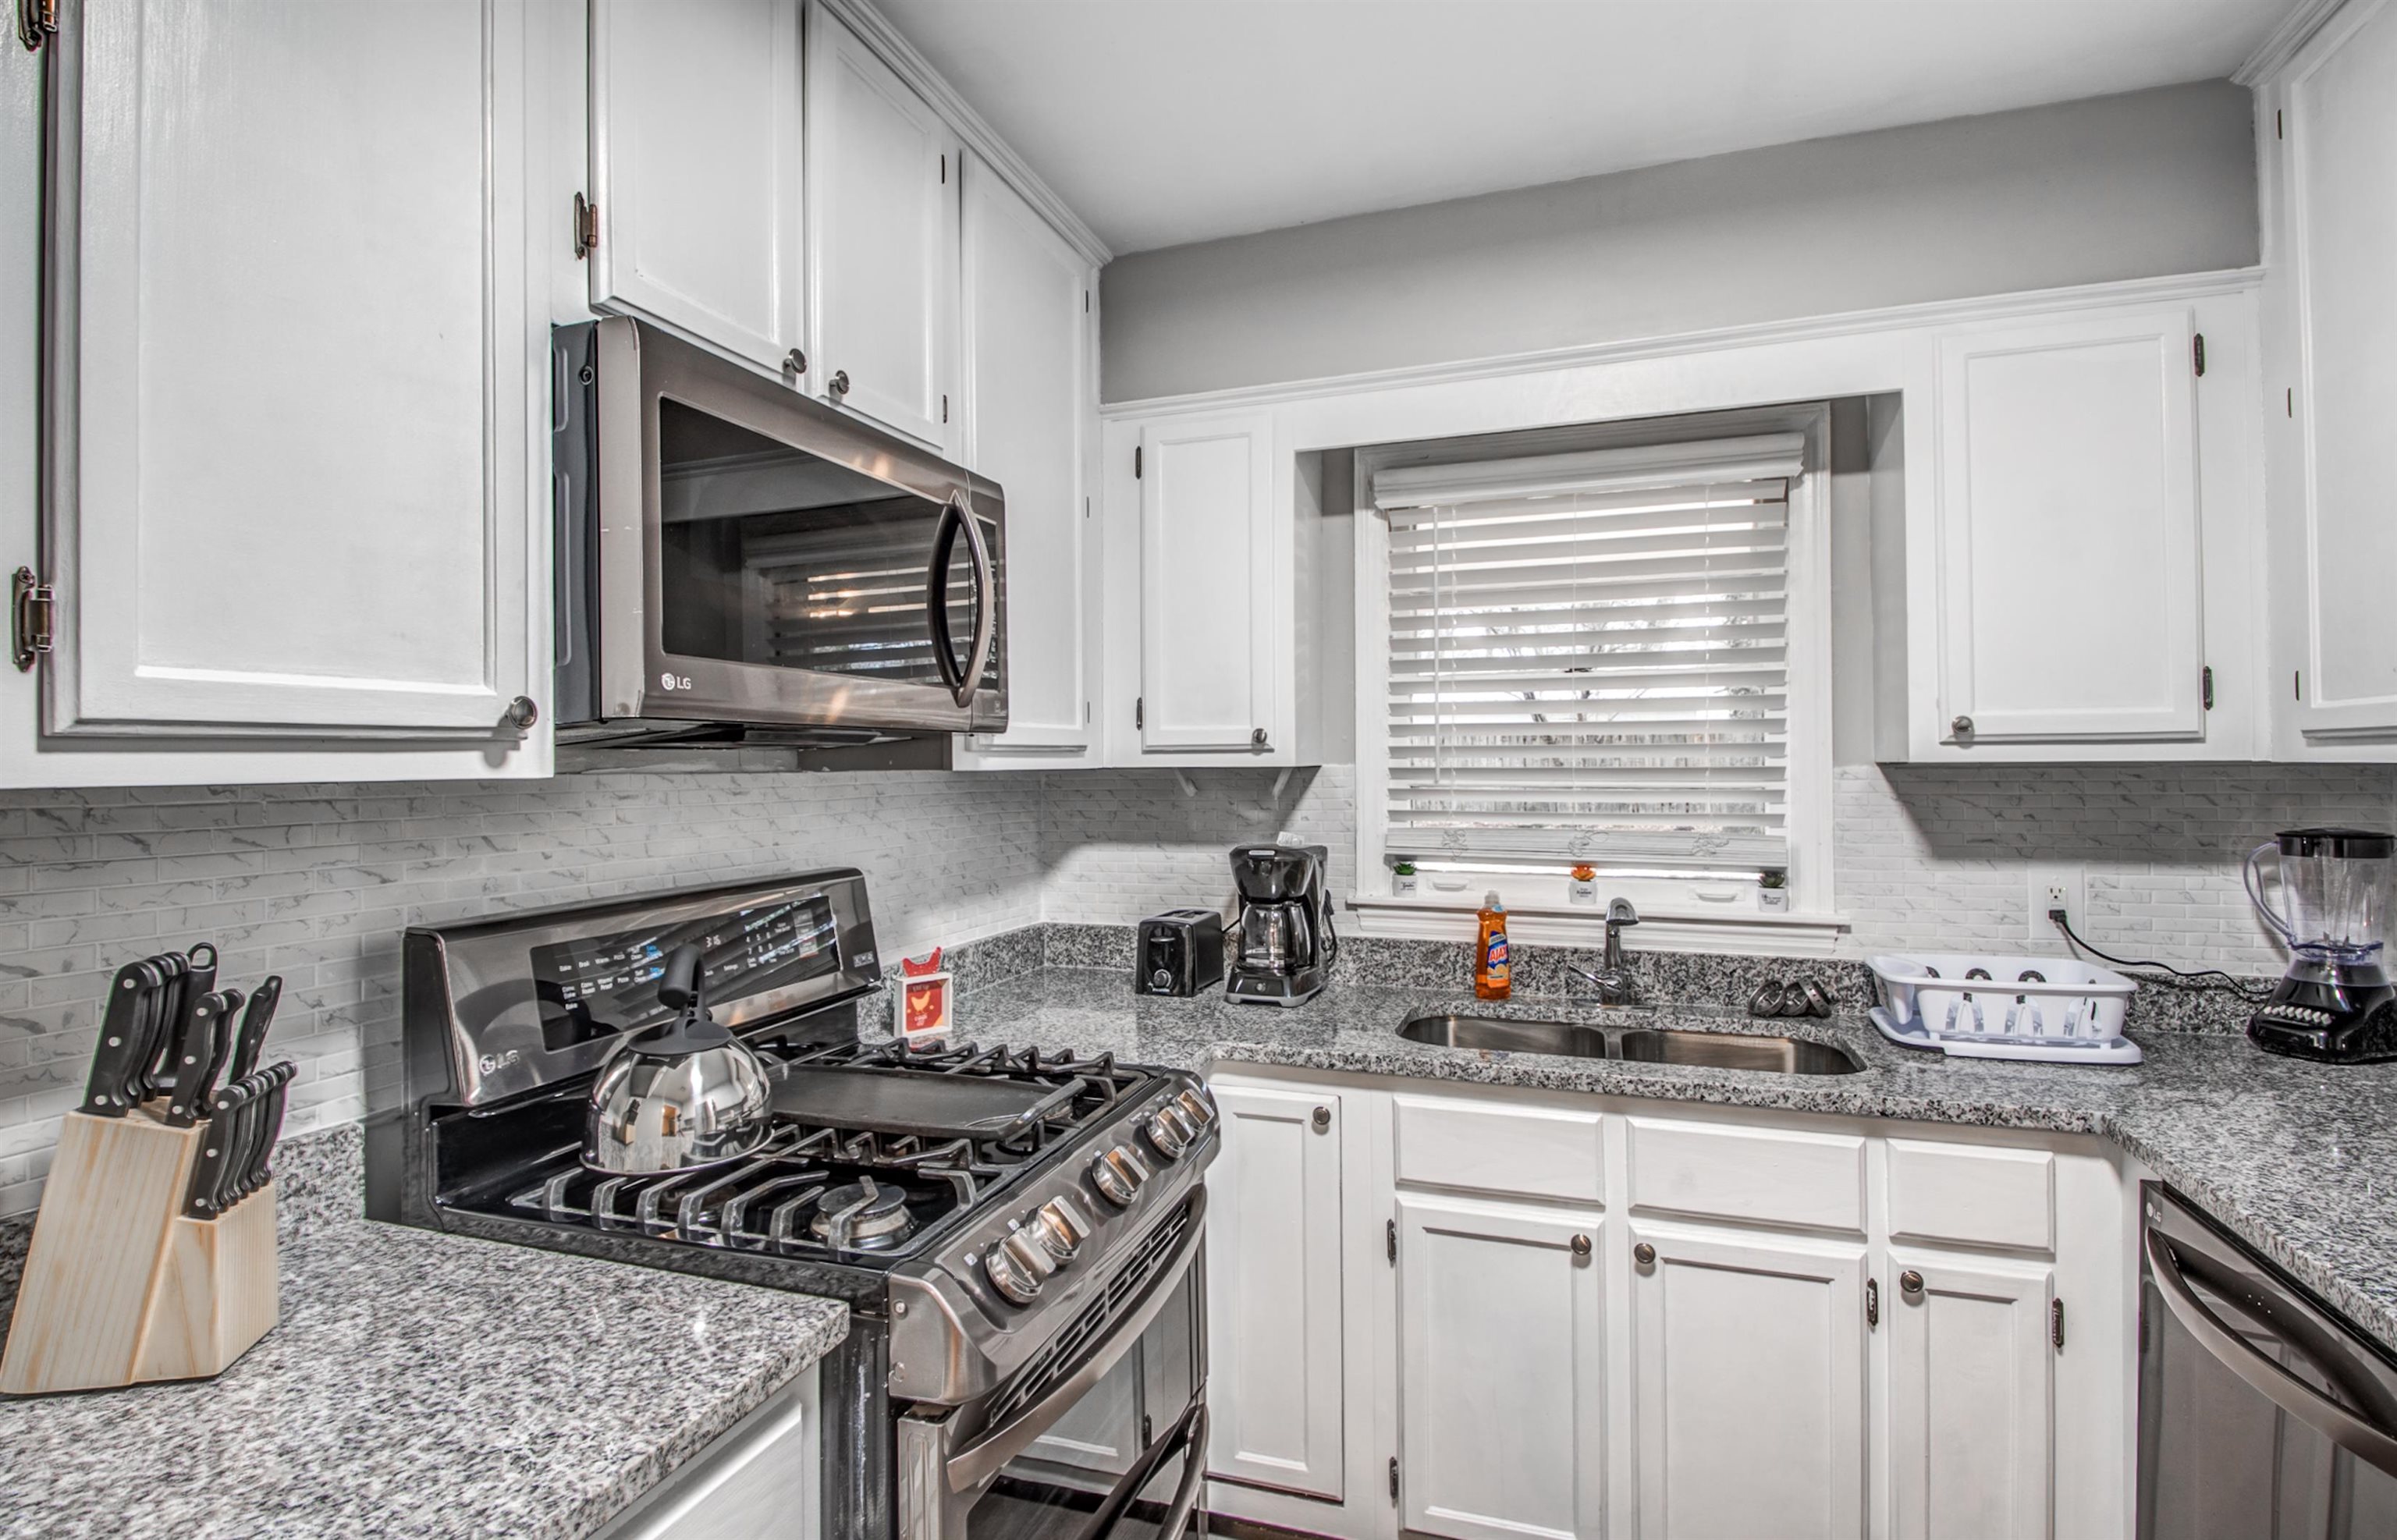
121,1285
1988,1006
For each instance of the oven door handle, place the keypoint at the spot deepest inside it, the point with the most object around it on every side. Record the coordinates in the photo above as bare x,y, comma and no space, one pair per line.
969,1467
1186,1436
2373,1445
961,682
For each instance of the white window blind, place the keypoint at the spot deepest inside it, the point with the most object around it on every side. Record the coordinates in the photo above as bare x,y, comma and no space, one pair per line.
1589,656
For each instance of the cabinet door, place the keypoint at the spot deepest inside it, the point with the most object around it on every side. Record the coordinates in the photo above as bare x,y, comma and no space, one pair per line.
883,235
1030,408
1207,564
695,168
1272,1292
1971,1402
2342,194
296,383
2067,532
1748,1386
1502,1372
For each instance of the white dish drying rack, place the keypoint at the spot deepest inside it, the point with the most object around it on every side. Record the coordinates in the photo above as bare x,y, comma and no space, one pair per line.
2059,1010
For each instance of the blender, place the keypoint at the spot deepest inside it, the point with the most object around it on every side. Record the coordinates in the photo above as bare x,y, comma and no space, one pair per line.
2335,1003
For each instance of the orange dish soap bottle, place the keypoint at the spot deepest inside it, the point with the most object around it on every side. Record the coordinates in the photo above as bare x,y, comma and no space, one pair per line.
1490,973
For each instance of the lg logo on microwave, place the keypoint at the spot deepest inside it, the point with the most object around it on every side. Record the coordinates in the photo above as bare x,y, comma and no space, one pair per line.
674,681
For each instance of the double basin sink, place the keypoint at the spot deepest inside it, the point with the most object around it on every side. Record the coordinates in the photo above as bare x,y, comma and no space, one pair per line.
1646,1045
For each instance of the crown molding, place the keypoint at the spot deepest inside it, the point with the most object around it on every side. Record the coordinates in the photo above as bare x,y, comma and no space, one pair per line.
876,31
1931,313
2296,29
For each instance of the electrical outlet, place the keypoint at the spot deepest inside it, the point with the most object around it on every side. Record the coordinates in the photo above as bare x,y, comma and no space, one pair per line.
2065,888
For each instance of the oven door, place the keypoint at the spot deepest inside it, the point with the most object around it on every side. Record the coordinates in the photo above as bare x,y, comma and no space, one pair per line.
2261,1417
764,560
1115,1450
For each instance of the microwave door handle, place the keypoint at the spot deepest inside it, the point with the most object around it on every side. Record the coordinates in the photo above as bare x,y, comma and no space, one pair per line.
2342,1427
936,598
986,608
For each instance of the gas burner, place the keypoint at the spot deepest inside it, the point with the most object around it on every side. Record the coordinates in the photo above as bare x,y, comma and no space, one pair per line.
863,1216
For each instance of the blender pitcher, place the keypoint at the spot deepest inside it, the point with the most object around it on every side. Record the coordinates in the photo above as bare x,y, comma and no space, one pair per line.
2336,886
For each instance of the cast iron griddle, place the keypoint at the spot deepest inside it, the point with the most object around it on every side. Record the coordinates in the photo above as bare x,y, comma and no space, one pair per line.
916,1101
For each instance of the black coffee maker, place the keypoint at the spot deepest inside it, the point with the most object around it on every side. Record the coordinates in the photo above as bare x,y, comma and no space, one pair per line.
1285,941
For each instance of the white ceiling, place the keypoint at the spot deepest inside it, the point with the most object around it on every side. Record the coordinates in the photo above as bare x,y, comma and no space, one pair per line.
1166,121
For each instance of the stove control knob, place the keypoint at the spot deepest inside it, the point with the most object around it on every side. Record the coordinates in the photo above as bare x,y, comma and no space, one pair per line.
1018,1283
1060,1228
1027,1254
1169,1132
1196,1107
1118,1176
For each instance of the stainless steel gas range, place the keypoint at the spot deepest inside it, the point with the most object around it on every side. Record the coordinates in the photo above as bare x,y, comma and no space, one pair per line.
1018,1234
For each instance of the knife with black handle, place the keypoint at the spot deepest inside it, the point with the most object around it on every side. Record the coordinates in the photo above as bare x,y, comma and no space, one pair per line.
124,1041
196,975
251,1038
270,1128
240,1121
204,1190
194,1056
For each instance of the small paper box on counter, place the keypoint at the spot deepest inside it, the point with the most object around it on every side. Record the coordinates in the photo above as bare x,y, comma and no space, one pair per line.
924,1000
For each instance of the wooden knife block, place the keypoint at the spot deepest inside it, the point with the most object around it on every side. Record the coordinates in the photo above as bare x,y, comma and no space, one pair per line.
121,1286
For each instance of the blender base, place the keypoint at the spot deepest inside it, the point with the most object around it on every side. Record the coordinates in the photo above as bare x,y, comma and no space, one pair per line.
2336,1021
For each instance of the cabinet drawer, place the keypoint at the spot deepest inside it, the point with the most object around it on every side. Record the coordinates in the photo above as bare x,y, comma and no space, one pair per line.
1972,1193
1814,1180
1526,1152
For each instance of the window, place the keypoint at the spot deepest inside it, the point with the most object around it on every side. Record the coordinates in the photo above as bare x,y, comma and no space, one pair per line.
1608,657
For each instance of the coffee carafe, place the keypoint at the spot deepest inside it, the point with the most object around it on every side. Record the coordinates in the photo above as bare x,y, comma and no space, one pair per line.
1286,941
2335,1002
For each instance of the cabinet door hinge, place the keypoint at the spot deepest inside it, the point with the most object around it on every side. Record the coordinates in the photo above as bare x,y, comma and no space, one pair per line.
2055,1323
945,406
1086,713
37,22
2198,348
2205,686
2297,685
1390,1242
35,617
1086,301
1394,1477
586,226
1135,463
1139,712
944,168
1872,1302
2279,129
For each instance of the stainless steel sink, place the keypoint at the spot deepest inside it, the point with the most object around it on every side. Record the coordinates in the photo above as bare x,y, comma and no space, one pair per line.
1513,1037
1648,1045
1736,1051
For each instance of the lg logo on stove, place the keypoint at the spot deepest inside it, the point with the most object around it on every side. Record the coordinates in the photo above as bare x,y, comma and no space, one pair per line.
491,1064
674,681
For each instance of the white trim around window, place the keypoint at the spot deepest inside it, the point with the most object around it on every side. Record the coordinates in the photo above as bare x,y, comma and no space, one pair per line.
1681,911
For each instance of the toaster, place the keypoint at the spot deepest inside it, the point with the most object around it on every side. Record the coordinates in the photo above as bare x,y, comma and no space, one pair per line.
1179,952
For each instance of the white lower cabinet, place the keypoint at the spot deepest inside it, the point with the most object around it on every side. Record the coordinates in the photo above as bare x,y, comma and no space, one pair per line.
1274,1295
1502,1353
1972,1408
1577,1315
1748,1385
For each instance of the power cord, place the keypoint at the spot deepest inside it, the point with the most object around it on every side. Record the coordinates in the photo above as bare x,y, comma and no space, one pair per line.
2063,922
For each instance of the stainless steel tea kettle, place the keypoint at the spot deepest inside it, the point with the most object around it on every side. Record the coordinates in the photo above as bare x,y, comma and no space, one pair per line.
683,1094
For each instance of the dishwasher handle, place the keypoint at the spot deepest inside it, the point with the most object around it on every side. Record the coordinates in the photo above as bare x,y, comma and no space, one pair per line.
2367,1442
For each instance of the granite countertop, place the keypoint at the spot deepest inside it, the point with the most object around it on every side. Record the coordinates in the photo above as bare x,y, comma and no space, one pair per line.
2299,1159
420,1384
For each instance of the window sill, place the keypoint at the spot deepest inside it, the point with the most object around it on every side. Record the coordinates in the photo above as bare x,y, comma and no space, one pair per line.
1442,918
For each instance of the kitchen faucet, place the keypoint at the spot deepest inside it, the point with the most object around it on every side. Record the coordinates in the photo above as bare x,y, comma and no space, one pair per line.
1612,980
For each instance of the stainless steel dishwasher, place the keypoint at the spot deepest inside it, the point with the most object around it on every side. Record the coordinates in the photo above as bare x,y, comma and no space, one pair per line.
2262,1415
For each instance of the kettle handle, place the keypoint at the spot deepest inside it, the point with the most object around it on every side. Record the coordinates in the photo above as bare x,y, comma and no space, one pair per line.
2254,881
678,985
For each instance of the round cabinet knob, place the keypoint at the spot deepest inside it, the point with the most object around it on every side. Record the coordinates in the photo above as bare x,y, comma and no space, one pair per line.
1643,1254
1581,1245
1258,736
1910,1282
1196,1109
1118,1176
1060,1228
1169,1132
1962,726
1322,1119
523,712
795,362
1011,1280
840,382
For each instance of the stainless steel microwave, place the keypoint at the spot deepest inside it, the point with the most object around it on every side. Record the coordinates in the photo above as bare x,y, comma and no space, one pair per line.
737,565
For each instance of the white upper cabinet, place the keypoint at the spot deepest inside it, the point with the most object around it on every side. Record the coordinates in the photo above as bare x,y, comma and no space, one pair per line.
2329,155
296,363
695,169
1031,407
1210,645
883,174
2067,531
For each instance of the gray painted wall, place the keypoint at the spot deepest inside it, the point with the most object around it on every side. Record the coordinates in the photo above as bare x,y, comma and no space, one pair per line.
2129,186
